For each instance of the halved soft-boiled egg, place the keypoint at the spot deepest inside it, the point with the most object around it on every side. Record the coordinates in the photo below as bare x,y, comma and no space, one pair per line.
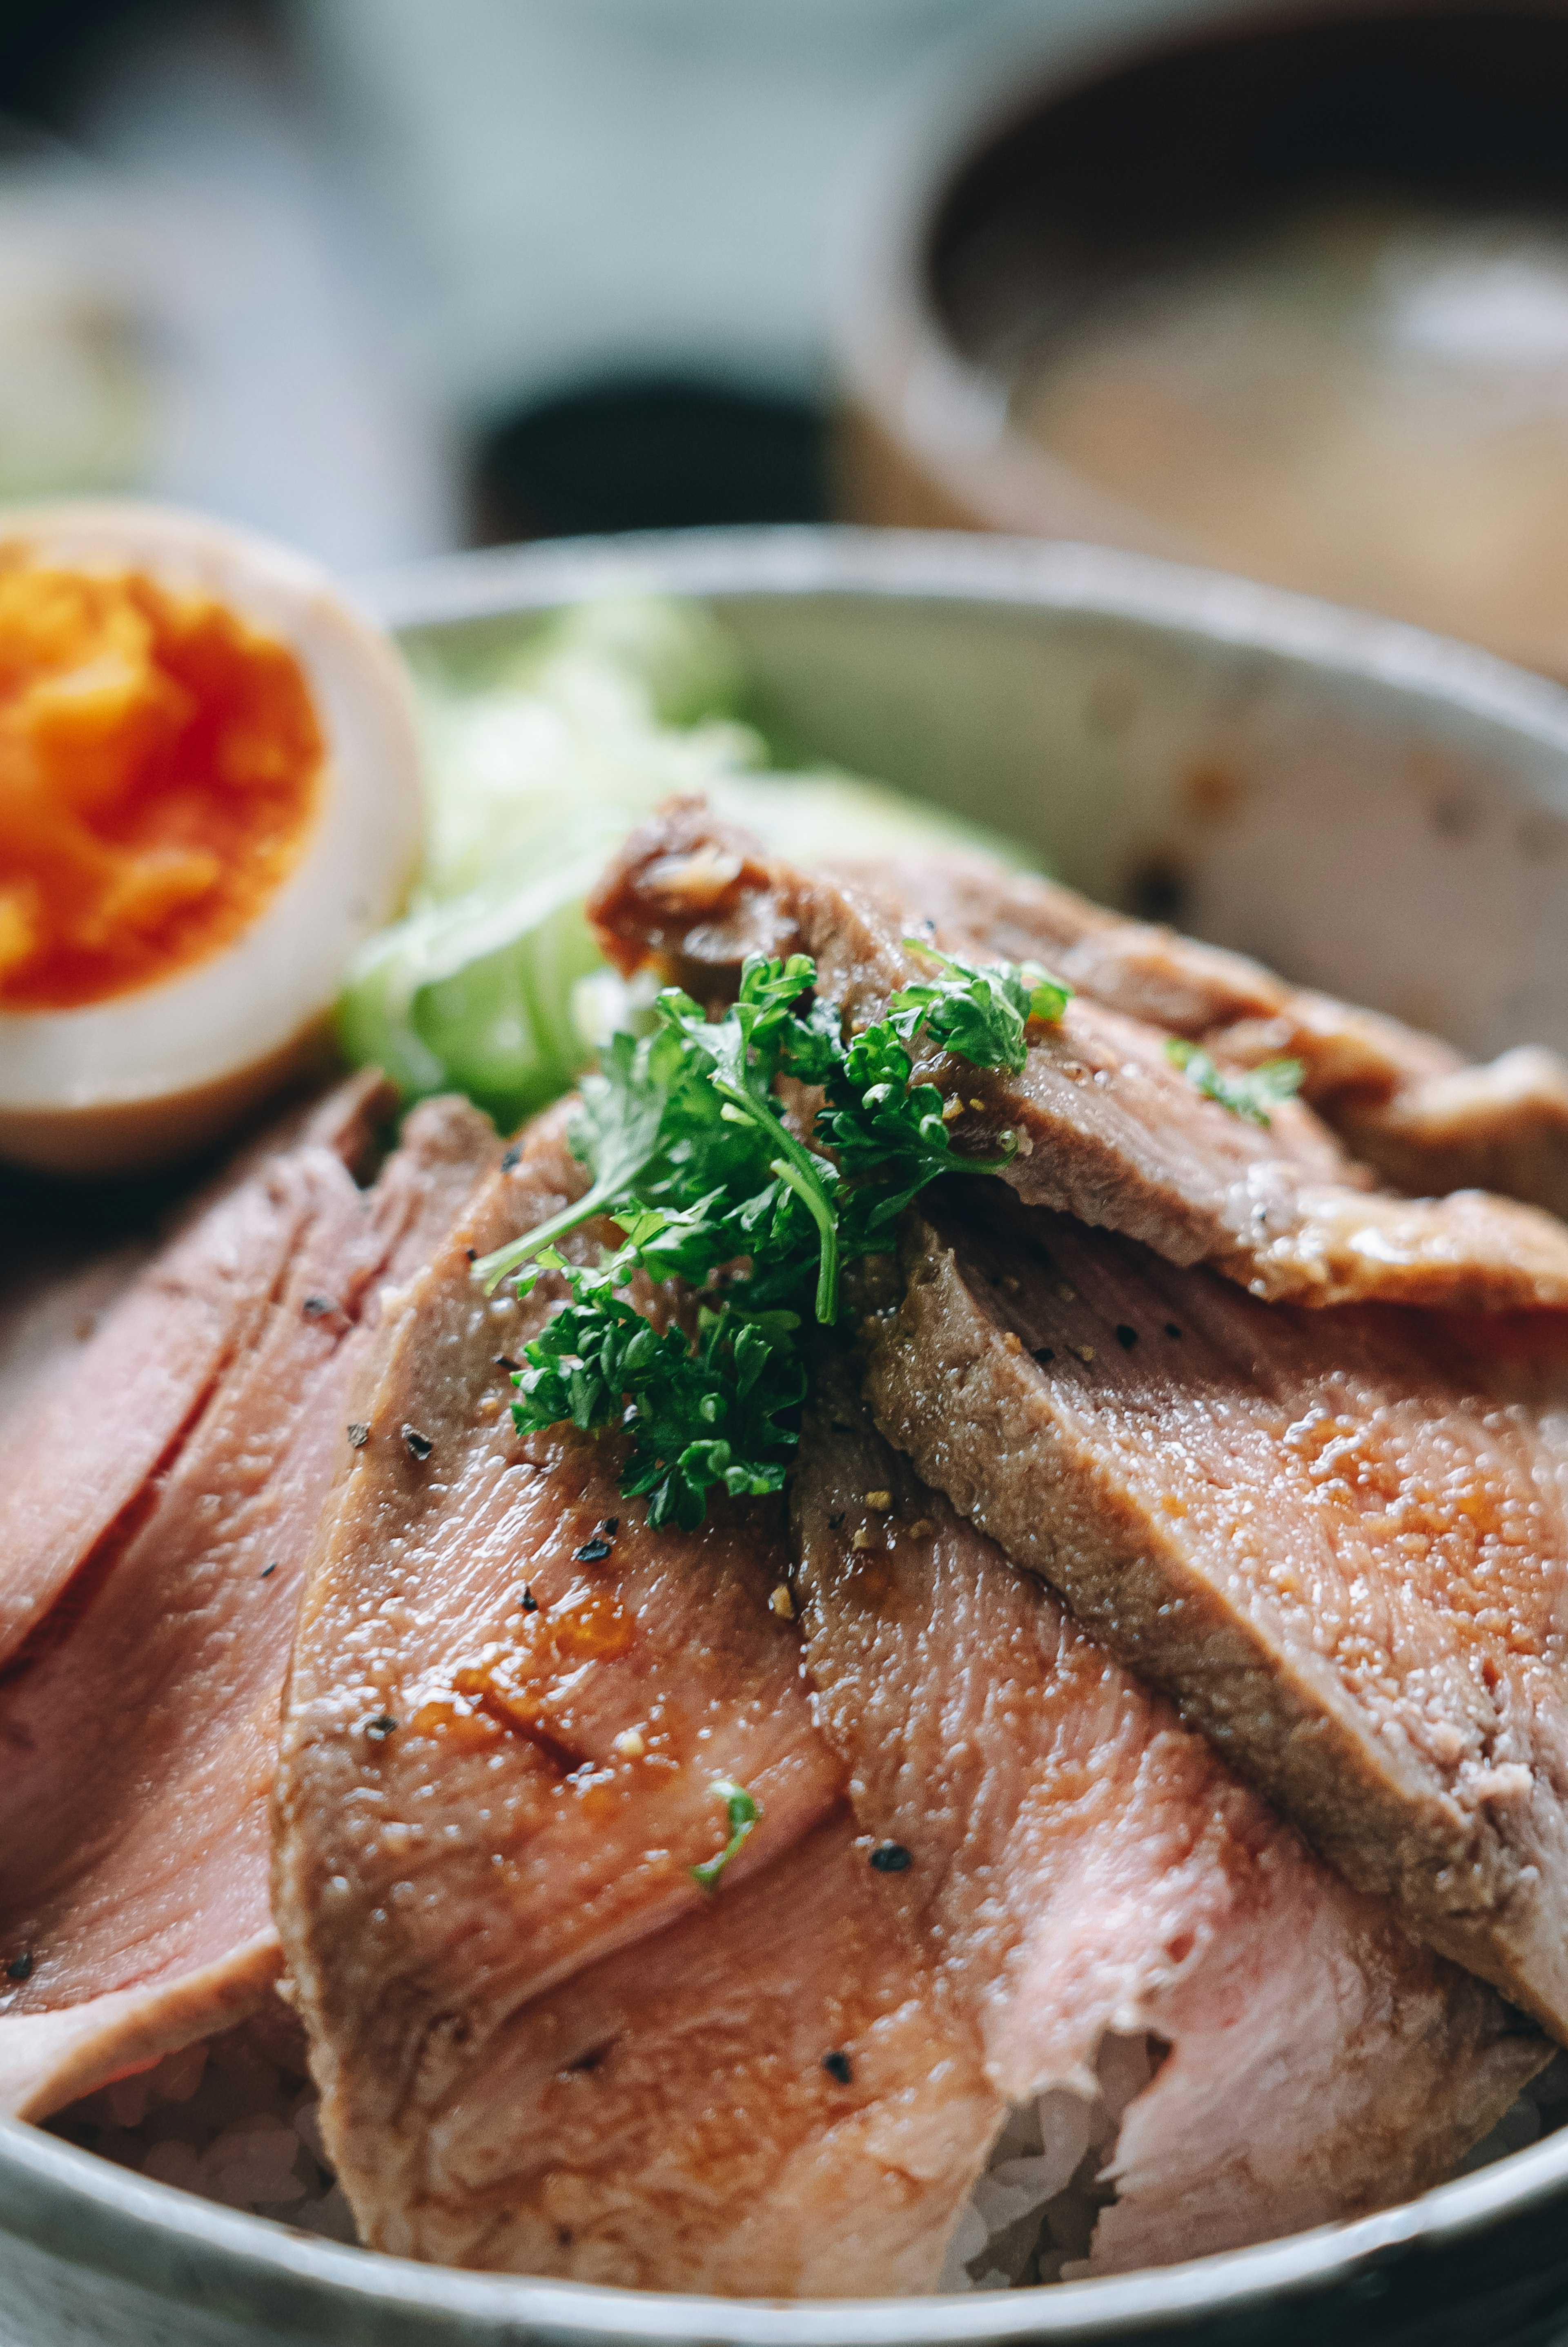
208,795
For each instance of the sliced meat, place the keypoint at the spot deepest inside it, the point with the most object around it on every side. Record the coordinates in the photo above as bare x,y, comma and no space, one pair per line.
1106,1128
1338,1538
53,1310
1081,1863
666,2119
1503,1126
1407,1104
138,1721
541,2045
119,1406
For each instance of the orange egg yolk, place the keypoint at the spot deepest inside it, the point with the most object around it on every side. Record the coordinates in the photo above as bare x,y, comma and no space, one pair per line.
160,769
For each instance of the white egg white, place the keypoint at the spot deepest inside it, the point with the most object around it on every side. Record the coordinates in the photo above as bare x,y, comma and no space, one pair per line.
155,1073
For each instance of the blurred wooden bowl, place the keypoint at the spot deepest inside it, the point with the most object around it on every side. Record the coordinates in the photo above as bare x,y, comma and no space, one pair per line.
1032,170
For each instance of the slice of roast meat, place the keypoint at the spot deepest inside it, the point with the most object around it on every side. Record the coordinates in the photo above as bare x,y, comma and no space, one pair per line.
1337,1539
119,1406
763,2099
1407,1104
138,1719
1106,1128
1082,1864
541,2045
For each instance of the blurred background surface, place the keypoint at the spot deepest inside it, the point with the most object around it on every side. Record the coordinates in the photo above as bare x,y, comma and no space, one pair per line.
383,277
1277,284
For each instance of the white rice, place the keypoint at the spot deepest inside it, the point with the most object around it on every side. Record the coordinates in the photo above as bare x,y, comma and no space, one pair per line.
236,2121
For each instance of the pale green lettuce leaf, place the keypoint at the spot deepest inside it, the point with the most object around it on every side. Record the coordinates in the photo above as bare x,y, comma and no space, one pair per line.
540,757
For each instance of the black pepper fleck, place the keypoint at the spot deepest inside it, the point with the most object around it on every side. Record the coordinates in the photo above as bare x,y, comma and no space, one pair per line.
1126,1338
379,1729
1171,1329
267,1570
611,1526
317,1307
890,1858
528,1602
839,2066
505,1361
592,1552
472,1253
20,1968
1045,1355
511,1161
358,1434
839,1427
835,1523
418,1446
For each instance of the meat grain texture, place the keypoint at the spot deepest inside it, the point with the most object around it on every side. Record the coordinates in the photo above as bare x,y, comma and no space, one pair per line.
1337,1539
542,2047
1412,1107
162,1586
1084,1866
1106,1128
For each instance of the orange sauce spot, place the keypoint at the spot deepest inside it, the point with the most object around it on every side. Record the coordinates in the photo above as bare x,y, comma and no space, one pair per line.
159,773
593,1627
464,1727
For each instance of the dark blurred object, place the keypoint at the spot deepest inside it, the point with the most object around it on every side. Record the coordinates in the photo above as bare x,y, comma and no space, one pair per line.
50,49
648,453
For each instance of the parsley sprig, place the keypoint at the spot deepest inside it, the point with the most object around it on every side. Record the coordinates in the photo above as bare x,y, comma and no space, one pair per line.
698,1414
1250,1093
742,1811
979,1014
692,1156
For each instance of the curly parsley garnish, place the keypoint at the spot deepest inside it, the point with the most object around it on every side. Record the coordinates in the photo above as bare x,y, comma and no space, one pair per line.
692,1156
981,1014
1251,1093
741,1814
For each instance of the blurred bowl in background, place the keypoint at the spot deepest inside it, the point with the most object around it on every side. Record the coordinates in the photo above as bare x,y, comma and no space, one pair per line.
1284,291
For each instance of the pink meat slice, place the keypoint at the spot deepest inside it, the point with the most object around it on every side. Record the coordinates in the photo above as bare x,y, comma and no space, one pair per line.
138,1721
1337,1539
120,1407
1081,1863
1410,1106
541,2045
1106,1128
665,2119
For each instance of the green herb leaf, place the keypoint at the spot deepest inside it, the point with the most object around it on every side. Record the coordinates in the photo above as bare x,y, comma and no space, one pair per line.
741,1814
690,1157
889,1136
1250,1093
977,1011
745,1048
618,1133
715,1412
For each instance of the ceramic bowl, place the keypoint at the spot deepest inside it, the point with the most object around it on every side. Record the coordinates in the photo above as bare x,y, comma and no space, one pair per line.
1364,804
1046,162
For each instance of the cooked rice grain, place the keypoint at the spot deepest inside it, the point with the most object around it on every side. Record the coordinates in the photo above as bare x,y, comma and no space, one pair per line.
235,2121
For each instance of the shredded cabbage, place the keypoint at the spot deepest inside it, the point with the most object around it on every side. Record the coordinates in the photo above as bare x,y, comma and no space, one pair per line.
540,757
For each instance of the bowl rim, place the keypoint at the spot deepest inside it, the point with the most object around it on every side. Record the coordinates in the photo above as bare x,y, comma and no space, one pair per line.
796,560
164,2239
